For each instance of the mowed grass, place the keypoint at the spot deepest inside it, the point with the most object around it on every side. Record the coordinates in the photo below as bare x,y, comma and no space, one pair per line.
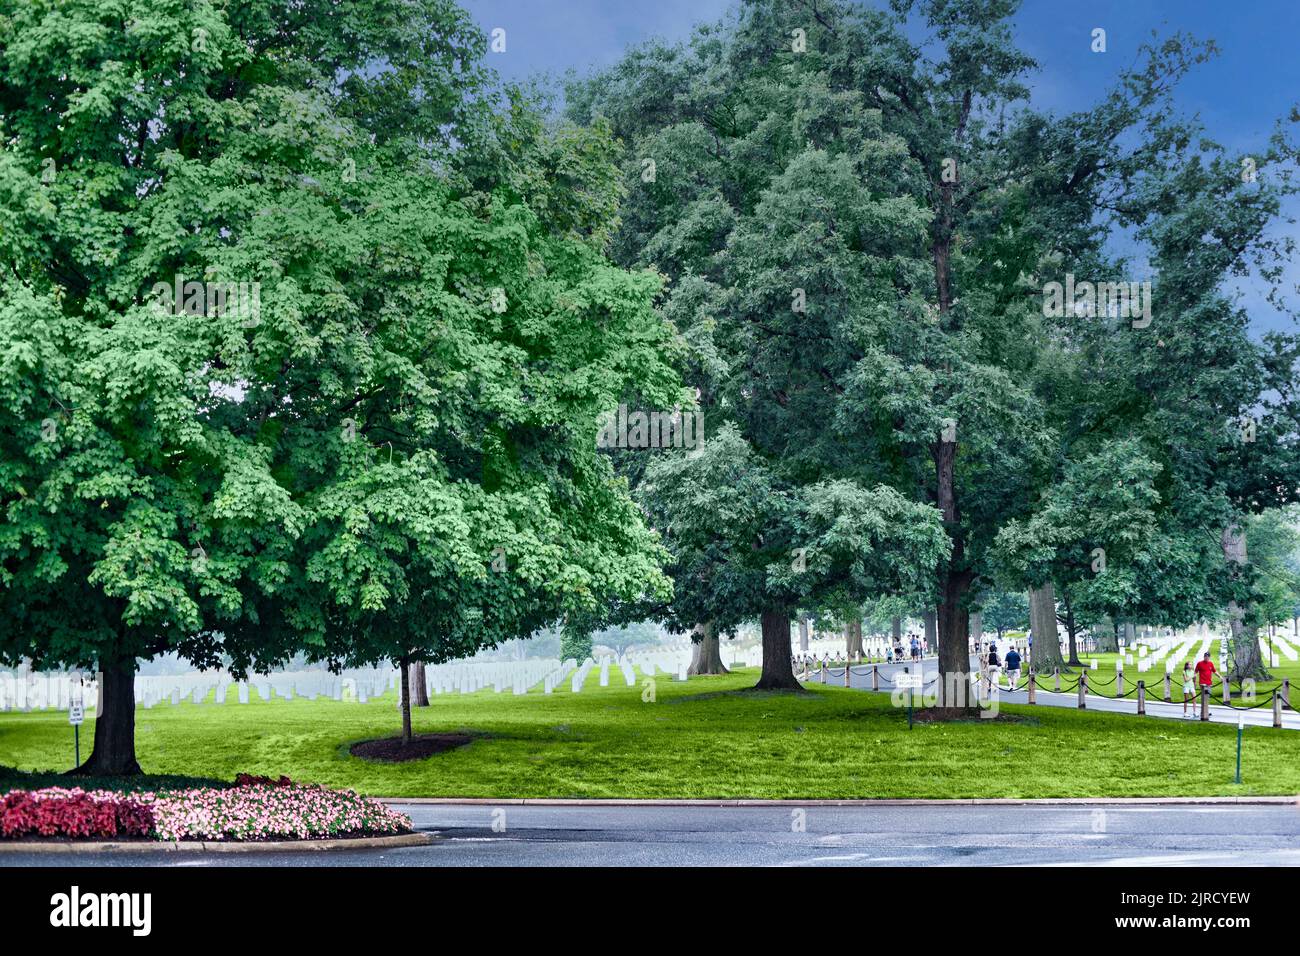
707,737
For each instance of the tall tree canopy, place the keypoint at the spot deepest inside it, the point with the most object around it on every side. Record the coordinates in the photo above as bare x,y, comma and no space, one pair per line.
861,212
387,450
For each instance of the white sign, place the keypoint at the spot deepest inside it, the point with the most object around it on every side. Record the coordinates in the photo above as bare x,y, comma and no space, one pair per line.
908,681
76,713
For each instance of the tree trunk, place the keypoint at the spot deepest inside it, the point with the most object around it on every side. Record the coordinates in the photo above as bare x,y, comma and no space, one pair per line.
113,752
931,621
954,575
778,673
1243,644
707,656
419,690
803,635
1107,643
1042,623
953,684
853,643
1071,629
404,665
976,629
896,629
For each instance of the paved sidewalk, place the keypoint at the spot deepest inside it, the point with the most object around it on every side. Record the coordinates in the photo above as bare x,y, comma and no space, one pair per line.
1262,716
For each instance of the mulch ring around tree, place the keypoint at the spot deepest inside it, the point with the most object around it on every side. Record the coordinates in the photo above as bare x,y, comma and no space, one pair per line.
392,750
935,715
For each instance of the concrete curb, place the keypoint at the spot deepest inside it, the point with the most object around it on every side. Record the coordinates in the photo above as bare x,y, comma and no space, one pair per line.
966,802
171,846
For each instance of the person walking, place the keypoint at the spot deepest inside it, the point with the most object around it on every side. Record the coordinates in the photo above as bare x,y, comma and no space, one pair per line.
994,667
1013,666
1189,686
916,648
1205,671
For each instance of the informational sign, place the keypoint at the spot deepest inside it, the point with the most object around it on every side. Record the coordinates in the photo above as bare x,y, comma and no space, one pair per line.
908,681
76,713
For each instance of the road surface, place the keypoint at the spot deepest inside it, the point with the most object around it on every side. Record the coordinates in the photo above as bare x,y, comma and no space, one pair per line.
1001,835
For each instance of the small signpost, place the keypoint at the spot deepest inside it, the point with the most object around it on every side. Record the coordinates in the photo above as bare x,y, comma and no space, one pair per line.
76,715
1241,725
911,682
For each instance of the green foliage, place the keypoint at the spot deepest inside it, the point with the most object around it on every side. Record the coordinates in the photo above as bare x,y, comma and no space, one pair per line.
621,639
1273,541
395,456
742,541
1006,611
575,645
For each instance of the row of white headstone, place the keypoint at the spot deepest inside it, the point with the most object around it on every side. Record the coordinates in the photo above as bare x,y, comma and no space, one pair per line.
1174,651
1280,644
44,691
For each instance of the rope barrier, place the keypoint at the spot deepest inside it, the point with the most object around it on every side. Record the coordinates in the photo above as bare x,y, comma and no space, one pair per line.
1052,689
1266,700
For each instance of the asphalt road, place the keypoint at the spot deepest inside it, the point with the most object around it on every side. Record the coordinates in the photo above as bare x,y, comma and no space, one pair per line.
1003,835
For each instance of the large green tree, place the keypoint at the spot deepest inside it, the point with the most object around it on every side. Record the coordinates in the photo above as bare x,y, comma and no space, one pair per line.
746,544
861,211
394,457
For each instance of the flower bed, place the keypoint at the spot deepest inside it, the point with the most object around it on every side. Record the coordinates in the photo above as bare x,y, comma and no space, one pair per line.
55,812
252,811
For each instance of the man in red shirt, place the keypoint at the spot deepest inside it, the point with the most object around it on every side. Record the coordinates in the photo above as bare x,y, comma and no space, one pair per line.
1205,671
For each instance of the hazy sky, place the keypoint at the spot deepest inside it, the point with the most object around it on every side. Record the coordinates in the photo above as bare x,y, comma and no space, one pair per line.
1239,95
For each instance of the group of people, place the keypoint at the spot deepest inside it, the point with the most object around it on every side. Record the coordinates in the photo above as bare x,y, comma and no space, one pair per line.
993,666
915,648
1194,678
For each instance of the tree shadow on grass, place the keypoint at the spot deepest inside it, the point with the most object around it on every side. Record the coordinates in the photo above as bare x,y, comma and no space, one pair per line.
14,779
747,693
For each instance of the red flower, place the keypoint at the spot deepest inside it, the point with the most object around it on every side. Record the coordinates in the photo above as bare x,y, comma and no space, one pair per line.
73,813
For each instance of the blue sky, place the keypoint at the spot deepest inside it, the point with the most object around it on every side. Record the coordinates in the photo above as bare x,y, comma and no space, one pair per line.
1239,95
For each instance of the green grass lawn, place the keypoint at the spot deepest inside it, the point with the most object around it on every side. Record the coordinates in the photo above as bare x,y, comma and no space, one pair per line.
702,738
